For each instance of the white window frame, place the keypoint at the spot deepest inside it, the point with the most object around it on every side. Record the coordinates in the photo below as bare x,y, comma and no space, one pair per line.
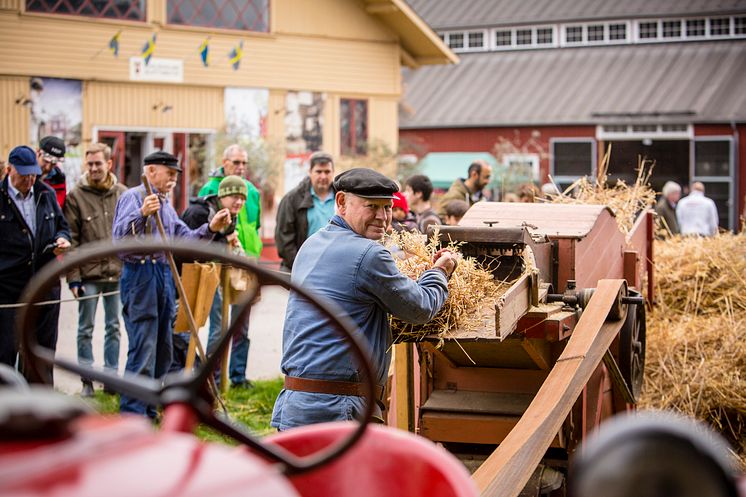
659,31
627,33
687,36
566,178
580,43
730,179
555,38
630,134
604,35
719,37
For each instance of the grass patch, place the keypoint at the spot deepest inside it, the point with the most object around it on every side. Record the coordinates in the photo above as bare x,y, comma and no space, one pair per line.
252,407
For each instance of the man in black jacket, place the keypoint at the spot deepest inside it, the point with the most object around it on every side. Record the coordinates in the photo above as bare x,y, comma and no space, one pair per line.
305,209
33,232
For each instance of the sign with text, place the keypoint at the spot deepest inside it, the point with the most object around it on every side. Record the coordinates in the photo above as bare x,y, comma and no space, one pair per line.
161,70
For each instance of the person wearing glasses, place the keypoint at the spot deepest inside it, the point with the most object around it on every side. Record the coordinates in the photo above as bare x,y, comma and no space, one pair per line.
235,161
51,155
89,209
33,232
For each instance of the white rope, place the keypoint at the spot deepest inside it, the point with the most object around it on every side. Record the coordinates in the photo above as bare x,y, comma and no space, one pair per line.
50,302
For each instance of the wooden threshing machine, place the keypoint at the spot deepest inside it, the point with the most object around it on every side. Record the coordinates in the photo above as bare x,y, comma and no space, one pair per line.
562,349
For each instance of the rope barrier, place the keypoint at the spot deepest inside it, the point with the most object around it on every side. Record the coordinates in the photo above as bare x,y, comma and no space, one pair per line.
60,301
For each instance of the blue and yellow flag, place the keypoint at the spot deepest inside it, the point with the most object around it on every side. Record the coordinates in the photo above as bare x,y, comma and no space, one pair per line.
236,55
204,52
114,43
148,49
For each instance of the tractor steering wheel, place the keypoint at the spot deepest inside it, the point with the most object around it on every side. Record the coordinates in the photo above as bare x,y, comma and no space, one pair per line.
192,389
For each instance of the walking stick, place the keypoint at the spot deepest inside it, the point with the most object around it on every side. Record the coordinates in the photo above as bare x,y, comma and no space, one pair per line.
194,336
225,283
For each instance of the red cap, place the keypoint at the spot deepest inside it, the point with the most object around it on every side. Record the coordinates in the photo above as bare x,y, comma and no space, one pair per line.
401,202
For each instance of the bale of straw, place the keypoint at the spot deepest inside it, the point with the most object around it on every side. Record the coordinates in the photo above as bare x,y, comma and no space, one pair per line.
696,335
471,287
625,201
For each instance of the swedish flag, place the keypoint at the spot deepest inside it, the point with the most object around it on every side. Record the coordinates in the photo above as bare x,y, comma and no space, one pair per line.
114,43
236,55
148,49
204,52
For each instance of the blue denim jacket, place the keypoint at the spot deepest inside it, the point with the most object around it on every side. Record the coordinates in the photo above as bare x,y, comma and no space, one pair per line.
361,277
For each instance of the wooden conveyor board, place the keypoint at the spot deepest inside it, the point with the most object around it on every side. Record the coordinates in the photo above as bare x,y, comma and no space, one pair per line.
509,467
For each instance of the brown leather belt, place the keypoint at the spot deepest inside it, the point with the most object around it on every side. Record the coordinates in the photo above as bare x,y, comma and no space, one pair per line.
332,387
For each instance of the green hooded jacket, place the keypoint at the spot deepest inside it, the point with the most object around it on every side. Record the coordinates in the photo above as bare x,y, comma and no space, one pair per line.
248,222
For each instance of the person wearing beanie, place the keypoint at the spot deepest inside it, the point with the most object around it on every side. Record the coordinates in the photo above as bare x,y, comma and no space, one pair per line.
231,194
51,155
33,232
402,220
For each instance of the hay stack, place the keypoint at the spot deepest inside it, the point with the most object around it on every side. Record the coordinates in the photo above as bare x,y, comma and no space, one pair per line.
696,348
469,288
624,201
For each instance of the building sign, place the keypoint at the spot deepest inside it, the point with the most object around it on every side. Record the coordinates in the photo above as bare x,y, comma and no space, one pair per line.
161,70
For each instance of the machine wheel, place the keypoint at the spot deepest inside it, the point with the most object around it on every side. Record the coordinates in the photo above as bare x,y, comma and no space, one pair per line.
192,389
632,347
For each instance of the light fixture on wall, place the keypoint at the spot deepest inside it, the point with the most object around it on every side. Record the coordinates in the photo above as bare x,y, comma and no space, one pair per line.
163,107
647,142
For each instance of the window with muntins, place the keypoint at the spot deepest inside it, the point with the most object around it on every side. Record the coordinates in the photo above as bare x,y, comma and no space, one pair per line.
617,32
574,34
720,27
244,15
523,37
544,36
739,25
127,10
476,39
695,27
353,127
648,30
503,38
671,29
456,40
596,32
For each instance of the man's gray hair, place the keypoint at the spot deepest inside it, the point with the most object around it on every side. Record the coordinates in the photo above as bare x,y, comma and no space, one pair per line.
670,187
230,149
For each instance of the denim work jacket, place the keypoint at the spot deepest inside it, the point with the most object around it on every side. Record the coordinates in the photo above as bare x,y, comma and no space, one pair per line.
361,277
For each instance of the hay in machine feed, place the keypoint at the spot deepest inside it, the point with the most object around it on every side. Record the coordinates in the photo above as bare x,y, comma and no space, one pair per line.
470,288
696,334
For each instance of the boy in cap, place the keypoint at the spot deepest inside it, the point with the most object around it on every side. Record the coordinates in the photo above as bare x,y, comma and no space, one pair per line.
50,155
147,288
232,193
33,232
345,263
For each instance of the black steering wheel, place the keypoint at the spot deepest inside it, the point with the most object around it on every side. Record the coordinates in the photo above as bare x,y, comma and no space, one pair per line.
191,389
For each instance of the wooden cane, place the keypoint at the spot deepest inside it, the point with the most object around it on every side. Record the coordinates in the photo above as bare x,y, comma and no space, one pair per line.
226,283
182,294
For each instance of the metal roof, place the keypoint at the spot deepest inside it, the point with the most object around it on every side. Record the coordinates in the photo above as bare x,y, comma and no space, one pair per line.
657,83
445,14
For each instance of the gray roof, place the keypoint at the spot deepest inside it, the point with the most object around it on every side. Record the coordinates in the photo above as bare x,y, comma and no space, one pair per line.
445,14
693,82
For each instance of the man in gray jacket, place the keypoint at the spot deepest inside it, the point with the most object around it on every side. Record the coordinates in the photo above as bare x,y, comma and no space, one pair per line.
89,209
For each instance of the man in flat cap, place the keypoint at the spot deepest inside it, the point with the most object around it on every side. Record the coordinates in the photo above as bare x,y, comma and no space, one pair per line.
51,155
33,232
344,262
147,288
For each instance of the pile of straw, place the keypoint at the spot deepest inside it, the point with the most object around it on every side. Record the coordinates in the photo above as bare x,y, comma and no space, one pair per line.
469,288
696,340
625,201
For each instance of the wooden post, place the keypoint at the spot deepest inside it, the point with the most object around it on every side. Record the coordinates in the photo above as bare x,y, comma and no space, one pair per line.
404,381
225,324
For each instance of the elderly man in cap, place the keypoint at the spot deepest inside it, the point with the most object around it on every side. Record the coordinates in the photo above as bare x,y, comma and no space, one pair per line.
345,263
147,287
51,153
666,207
33,231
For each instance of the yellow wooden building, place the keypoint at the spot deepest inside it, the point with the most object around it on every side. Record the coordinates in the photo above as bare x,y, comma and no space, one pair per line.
305,74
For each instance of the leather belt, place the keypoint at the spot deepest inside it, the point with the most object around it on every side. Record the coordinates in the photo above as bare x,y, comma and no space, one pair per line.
332,387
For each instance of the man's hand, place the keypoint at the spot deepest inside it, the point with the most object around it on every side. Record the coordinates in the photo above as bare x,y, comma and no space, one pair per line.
62,246
446,260
221,221
77,291
150,205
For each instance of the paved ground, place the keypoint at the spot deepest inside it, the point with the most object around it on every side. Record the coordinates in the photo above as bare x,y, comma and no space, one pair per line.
265,332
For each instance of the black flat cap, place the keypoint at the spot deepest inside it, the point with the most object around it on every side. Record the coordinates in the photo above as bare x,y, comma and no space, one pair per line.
365,182
162,158
53,146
